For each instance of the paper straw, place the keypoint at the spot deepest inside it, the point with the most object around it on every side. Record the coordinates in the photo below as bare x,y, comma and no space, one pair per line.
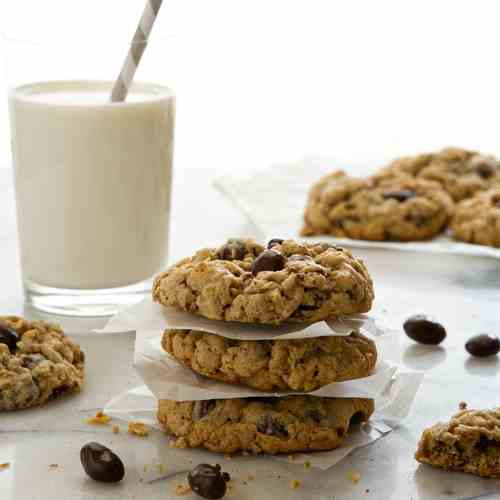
137,48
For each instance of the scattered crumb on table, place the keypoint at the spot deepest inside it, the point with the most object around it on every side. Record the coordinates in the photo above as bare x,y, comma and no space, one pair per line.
53,466
160,468
307,464
230,485
138,429
5,465
294,484
251,477
228,457
291,458
182,489
115,429
354,476
99,419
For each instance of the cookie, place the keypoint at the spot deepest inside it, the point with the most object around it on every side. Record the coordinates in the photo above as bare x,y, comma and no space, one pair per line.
477,220
469,442
460,172
38,362
377,209
263,425
242,281
269,365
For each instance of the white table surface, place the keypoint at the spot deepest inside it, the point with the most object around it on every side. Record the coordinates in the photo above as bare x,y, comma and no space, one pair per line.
463,293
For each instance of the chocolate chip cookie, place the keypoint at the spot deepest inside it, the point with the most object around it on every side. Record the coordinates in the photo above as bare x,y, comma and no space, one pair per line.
269,365
469,442
460,172
263,425
377,209
38,362
477,220
242,281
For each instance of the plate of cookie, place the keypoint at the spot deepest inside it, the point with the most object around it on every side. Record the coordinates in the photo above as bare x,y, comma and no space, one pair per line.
442,202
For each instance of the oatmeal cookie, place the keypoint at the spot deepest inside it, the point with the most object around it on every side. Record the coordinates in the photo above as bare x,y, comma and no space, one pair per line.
460,172
469,442
263,425
242,281
38,362
269,365
477,220
377,209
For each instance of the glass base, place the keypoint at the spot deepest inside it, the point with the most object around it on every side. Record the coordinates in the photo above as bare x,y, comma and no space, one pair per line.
84,303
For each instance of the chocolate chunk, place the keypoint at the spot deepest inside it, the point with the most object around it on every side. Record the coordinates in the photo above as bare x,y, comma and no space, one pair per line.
270,426
485,170
9,337
269,260
101,464
202,408
232,250
208,482
314,415
403,195
274,242
425,330
483,345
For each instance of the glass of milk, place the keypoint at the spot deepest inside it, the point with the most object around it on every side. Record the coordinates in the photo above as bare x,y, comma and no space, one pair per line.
93,182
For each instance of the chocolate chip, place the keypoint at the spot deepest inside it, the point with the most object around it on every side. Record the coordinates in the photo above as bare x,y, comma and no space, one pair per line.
403,195
232,250
270,426
483,345
101,464
208,482
9,337
425,330
485,170
269,260
274,242
203,408
314,415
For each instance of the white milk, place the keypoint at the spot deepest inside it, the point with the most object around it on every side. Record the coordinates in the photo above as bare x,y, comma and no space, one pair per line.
93,182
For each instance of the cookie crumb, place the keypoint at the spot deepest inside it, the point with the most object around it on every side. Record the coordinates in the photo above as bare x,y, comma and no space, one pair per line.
294,484
182,489
291,458
5,466
160,468
115,429
367,490
251,477
307,464
138,429
462,405
99,419
53,466
230,485
354,477
228,457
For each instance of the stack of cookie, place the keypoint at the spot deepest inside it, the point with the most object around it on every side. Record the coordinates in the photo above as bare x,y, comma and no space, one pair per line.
286,282
413,198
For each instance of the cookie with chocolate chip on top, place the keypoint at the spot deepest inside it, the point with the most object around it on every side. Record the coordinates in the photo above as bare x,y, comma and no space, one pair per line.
263,425
377,209
288,281
38,363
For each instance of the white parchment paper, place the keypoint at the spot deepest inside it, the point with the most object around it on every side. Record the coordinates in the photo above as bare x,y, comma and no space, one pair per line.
152,317
287,185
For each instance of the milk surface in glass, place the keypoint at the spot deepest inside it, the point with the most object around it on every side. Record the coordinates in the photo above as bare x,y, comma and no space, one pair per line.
93,181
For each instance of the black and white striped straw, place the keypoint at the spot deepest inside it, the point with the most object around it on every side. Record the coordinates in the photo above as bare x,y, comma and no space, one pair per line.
137,48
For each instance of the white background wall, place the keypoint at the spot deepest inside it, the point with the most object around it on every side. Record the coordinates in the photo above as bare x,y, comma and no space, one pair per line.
262,81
